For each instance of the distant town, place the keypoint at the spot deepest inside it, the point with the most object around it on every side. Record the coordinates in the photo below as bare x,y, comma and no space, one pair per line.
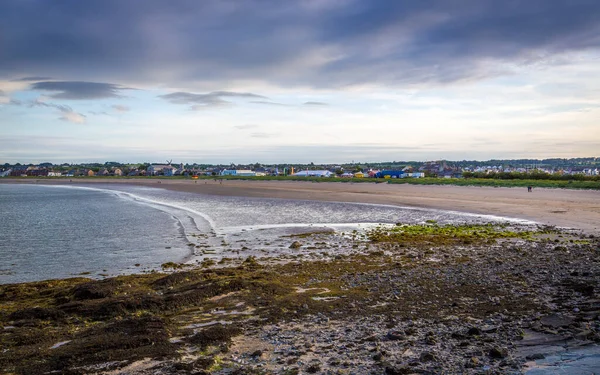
577,168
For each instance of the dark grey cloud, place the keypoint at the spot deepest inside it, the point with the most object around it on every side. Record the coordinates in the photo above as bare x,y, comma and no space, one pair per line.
316,103
77,90
31,79
290,43
67,113
210,100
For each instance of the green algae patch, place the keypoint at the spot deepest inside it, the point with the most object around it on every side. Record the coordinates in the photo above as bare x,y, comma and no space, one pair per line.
433,234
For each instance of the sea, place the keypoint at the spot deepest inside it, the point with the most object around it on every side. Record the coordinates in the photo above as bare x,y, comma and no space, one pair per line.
49,232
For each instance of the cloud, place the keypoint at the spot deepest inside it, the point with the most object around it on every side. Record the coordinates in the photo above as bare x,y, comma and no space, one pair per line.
79,90
391,43
315,103
67,113
31,79
265,102
262,135
210,100
120,108
246,126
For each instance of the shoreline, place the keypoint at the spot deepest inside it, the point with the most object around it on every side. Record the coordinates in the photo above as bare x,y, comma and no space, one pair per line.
578,209
404,299
410,300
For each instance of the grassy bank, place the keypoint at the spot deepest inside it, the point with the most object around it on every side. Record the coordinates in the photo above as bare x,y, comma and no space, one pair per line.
552,184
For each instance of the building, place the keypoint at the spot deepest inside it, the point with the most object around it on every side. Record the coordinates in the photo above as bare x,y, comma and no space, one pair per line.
160,169
391,174
238,172
308,173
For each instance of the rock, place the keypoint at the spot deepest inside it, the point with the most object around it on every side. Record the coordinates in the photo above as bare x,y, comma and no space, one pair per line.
395,335
474,331
472,362
313,368
377,357
257,354
584,335
426,357
535,356
295,245
498,352
489,329
556,320
393,370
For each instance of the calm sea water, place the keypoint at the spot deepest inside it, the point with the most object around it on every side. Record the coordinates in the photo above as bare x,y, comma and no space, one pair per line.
56,231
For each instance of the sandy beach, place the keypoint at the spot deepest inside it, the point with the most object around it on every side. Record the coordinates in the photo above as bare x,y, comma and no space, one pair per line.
560,207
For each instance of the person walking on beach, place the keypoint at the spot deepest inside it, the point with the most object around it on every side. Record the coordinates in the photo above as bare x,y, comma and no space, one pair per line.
529,189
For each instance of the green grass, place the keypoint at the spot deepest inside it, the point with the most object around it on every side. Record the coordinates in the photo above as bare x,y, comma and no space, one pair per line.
552,184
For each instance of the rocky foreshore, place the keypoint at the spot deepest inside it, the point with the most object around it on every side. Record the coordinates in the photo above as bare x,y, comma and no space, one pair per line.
413,299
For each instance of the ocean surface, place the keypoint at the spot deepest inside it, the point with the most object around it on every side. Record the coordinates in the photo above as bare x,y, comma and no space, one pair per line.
49,232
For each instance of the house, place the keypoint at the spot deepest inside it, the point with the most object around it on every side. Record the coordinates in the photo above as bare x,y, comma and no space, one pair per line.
307,173
54,174
102,172
160,169
359,175
91,173
37,172
238,172
20,170
347,175
416,174
5,173
118,172
169,171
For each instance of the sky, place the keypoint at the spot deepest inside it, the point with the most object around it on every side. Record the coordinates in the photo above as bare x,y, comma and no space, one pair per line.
323,81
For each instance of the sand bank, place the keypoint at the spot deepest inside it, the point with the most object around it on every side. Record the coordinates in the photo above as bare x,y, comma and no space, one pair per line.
561,207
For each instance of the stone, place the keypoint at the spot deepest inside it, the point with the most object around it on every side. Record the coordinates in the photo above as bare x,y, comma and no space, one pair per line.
426,357
535,356
295,245
556,320
498,352
395,335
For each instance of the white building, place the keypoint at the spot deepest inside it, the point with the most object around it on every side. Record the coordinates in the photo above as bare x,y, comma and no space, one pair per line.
323,173
238,172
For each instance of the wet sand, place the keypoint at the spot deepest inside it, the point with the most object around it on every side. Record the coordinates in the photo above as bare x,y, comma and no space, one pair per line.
560,207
